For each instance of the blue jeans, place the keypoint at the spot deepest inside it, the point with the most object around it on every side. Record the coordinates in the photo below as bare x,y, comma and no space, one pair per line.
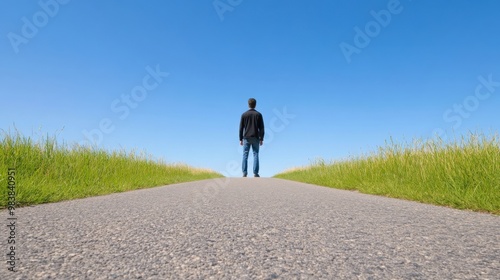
255,143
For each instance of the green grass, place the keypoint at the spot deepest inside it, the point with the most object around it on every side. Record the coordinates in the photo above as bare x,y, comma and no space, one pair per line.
464,174
48,171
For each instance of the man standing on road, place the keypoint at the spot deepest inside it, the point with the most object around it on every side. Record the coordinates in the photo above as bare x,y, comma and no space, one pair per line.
251,134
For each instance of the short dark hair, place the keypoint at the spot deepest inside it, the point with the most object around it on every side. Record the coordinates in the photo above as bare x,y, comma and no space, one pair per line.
252,103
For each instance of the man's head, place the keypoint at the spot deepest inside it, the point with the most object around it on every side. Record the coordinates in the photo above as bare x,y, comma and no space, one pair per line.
252,103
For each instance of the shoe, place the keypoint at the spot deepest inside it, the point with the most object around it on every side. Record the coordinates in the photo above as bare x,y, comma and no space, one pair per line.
256,175
244,175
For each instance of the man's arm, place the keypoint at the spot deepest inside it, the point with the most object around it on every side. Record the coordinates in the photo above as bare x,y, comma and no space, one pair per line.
241,130
261,129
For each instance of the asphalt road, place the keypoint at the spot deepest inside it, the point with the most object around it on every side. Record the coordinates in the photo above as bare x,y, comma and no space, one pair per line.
251,228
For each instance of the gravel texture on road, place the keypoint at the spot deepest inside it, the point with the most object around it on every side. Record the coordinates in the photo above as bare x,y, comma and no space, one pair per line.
252,228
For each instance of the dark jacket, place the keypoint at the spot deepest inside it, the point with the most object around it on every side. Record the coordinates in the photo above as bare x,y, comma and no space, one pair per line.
252,125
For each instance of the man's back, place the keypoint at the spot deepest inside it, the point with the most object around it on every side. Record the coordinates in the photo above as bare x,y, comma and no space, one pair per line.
252,125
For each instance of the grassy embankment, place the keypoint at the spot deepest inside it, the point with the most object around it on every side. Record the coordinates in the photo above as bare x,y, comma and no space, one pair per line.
464,174
48,172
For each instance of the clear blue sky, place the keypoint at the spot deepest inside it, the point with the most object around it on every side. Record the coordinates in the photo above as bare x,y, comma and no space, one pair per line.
333,79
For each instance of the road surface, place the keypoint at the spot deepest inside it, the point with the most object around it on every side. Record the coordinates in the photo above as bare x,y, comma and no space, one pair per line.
252,228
